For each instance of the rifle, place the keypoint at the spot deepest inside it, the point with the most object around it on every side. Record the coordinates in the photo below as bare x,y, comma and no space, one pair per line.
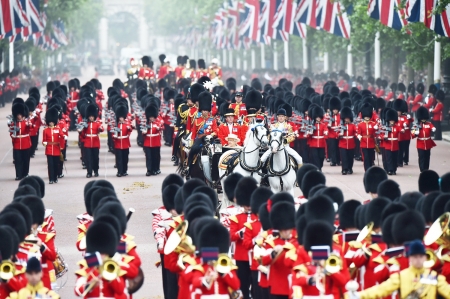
341,129
82,125
14,129
416,126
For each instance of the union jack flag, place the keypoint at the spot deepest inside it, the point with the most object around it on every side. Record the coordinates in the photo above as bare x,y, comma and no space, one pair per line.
37,24
422,11
249,20
284,19
388,12
233,23
306,12
332,17
266,18
13,17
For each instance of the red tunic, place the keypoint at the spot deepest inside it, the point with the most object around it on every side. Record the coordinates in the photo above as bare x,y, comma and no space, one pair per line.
203,125
317,139
51,139
239,109
416,103
21,139
152,136
224,131
253,229
90,134
347,140
391,139
219,287
367,132
437,112
36,123
146,73
103,289
237,230
424,140
48,257
122,139
332,134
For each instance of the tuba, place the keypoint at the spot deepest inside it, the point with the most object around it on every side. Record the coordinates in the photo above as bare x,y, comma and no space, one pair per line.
439,232
7,270
365,233
179,241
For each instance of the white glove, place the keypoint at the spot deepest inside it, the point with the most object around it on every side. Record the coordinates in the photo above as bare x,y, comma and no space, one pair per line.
433,130
44,143
408,116
352,286
431,110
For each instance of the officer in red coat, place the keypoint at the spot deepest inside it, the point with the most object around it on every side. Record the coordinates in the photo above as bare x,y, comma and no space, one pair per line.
146,73
35,120
404,138
418,100
229,127
347,134
121,138
437,112
422,132
239,107
51,139
152,140
92,140
366,135
19,130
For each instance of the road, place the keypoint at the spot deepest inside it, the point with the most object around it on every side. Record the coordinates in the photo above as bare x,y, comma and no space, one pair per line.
143,193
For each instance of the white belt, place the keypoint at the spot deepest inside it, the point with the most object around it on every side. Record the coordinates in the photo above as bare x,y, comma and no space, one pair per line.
215,296
317,297
348,137
318,137
392,139
121,137
22,136
91,135
152,135
424,138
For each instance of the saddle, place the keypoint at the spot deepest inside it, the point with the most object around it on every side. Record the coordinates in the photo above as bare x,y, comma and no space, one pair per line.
230,161
292,164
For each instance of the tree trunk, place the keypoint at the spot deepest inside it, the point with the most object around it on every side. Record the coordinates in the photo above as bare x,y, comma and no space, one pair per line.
410,74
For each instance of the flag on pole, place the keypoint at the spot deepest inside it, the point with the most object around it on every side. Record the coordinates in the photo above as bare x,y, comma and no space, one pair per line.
388,12
36,22
422,11
306,12
266,17
333,18
279,22
13,17
250,19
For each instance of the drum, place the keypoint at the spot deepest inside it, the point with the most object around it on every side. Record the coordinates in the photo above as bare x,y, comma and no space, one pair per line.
60,265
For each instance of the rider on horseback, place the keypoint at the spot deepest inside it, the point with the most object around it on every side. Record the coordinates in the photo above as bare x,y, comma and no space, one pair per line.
289,136
204,126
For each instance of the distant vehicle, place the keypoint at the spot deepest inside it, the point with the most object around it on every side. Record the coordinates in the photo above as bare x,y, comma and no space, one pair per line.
105,66
74,68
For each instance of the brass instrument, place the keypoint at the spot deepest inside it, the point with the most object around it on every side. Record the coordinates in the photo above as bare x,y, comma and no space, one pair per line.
333,264
7,270
439,232
431,259
109,270
178,240
365,233
223,264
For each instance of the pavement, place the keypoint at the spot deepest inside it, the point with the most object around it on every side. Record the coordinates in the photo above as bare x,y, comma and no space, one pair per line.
144,193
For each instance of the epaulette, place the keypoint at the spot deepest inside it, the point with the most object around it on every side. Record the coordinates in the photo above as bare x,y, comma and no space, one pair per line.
82,227
130,245
234,219
248,225
288,246
375,246
122,272
13,295
234,267
178,219
189,260
82,263
379,260
392,261
49,236
128,238
269,240
127,258
81,272
81,236
198,267
336,238
301,268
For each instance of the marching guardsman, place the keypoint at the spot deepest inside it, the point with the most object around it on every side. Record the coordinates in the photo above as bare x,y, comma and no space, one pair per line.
52,137
411,95
145,72
392,94
152,140
74,97
333,134
63,125
121,138
404,138
93,280
36,122
34,288
437,114
179,68
238,107
317,137
165,68
168,115
401,91
229,127
391,144
19,130
422,131
347,135
202,71
366,135
418,100
92,140
283,126
430,99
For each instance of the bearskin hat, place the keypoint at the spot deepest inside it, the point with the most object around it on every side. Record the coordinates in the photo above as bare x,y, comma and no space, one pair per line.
432,89
317,112
374,210
347,214
253,101
36,206
121,111
151,111
201,64
19,108
311,179
162,57
221,235
440,95
259,196
373,177
427,206
98,194
439,204
335,103
279,197
411,199
195,211
288,109
244,190
335,194
225,94
33,182
380,103
393,208
420,88
205,101
408,226
391,115
101,237
428,181
16,221
366,110
189,186
198,199
401,87
170,179
311,237
194,91
282,216
346,112
6,245
24,190
23,210
393,87
92,110
51,116
115,209
422,113
306,167
208,192
31,104
320,207
386,229
111,220
50,86
169,93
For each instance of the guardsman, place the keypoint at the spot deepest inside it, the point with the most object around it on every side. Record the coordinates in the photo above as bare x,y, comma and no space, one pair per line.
36,122
92,140
240,111
192,102
366,135
317,137
202,71
229,127
422,131
51,140
391,144
333,134
404,138
121,139
19,130
168,115
411,95
179,68
430,100
347,135
401,91
418,100
437,114
392,94
165,68
34,288
152,140
145,72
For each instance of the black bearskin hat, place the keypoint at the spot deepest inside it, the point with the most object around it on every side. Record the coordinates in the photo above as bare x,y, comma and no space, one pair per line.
366,110
335,103
432,89
422,113
168,196
282,216
19,108
201,64
204,101
244,190
221,235
400,105
311,237
146,60
346,112
427,206
391,115
194,91
172,178
253,101
101,237
408,226
320,207
374,210
311,179
317,112
162,57
420,88
347,214
439,205
411,199
115,209
389,189
401,87
92,110
16,221
51,116
6,245
50,86
36,206
303,170
189,187
428,181
440,95
151,111
23,210
373,177
259,196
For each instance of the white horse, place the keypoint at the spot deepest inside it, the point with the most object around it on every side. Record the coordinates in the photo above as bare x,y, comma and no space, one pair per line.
249,162
281,172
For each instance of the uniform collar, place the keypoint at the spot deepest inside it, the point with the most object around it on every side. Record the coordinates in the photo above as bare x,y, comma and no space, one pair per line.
36,288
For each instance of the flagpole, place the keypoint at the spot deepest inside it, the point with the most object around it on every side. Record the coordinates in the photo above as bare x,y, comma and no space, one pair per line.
437,62
245,60
305,55
253,58
349,61
30,59
377,56
325,62
2,65
263,56
224,57
11,56
286,54
275,56
230,60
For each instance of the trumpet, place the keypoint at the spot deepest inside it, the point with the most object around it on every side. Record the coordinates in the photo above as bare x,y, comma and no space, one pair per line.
110,270
7,270
223,264
439,232
333,264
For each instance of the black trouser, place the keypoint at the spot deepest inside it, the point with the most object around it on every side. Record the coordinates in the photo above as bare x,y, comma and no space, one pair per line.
73,121
110,142
333,151
122,159
168,134
391,160
152,158
139,137
317,156
2,100
302,148
272,296
21,162
34,142
265,292
438,132
164,276
403,152
245,276
424,159
368,156
256,289
357,148
53,167
347,158
383,158
91,159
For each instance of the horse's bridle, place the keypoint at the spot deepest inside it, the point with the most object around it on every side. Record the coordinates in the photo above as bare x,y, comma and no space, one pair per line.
280,144
256,136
